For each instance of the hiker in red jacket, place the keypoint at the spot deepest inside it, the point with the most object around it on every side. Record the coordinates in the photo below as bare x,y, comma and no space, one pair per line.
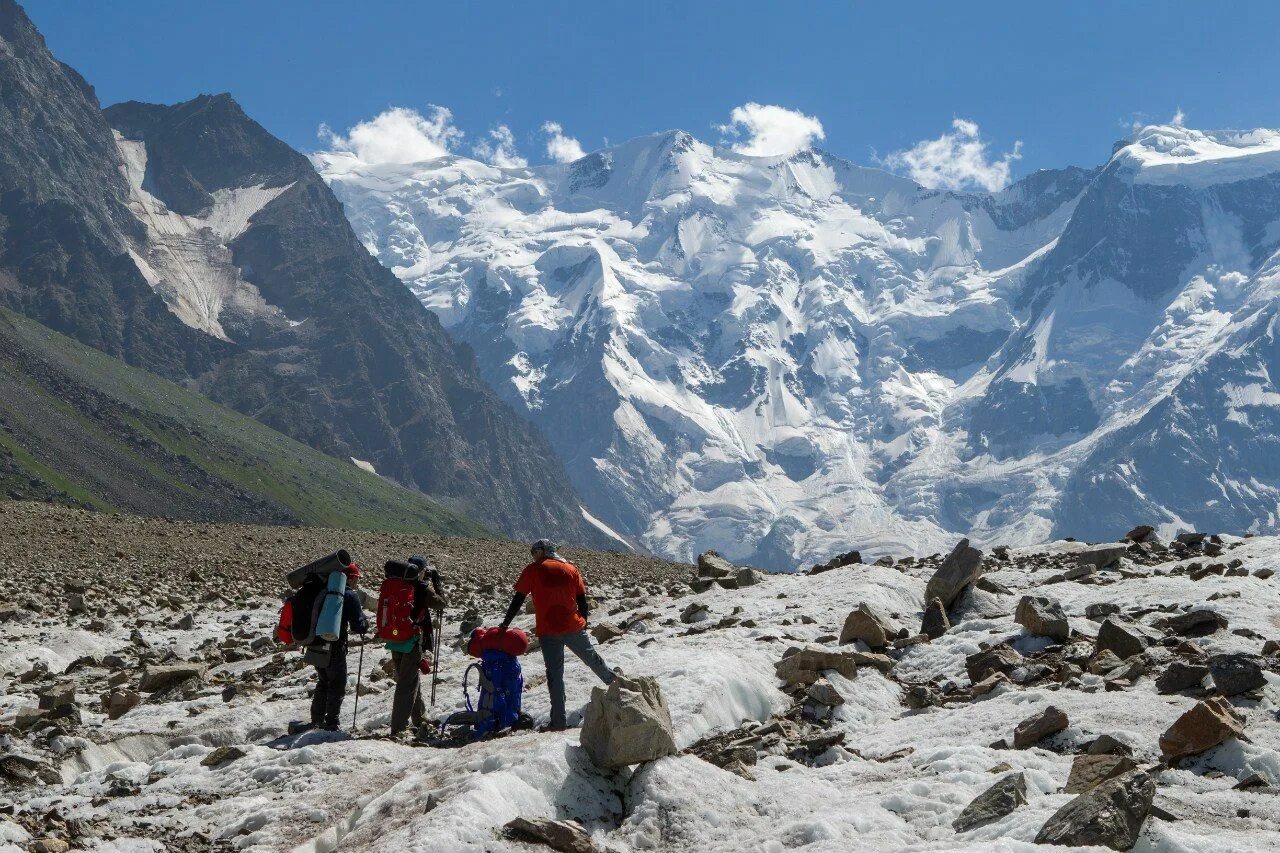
560,607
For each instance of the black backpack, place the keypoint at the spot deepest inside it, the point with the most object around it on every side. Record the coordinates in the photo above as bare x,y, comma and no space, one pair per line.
307,602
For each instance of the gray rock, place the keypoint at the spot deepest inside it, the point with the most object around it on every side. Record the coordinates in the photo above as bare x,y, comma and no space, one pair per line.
1042,616
1181,675
1036,728
55,697
961,568
1141,533
561,835
749,577
627,723
1110,815
117,703
157,678
1236,673
1200,622
1124,637
935,622
1108,745
994,803
866,624
1002,659
1101,556
1101,610
805,666
822,692
1090,771
223,755
712,565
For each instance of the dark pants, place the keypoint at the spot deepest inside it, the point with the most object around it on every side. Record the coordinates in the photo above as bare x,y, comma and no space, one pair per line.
553,646
331,689
407,705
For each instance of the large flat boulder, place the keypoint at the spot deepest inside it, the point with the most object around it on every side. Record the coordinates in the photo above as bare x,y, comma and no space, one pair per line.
1110,815
1101,556
868,625
961,568
805,666
157,678
994,803
1124,637
627,723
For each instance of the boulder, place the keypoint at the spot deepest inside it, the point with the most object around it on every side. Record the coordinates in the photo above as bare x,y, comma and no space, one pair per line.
1208,724
606,631
1101,610
695,612
1200,622
822,692
1124,637
56,697
562,835
994,803
1141,533
1181,675
1109,745
866,624
935,622
222,755
712,565
961,568
749,577
1002,659
1043,617
157,678
627,723
1036,728
1090,771
839,561
1110,815
1236,673
1101,556
116,703
805,666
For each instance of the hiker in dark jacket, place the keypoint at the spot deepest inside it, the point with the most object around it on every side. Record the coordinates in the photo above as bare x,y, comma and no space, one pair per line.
407,655
331,679
560,608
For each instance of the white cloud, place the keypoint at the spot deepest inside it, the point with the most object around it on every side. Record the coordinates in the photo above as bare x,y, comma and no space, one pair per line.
500,149
956,160
397,135
1179,118
561,148
770,130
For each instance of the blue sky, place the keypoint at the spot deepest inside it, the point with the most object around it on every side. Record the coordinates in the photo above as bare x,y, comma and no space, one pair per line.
879,78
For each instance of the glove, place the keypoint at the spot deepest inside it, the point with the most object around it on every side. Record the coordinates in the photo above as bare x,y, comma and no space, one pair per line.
424,666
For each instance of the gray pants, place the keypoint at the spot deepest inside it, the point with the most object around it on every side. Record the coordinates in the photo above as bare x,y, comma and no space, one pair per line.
553,646
407,705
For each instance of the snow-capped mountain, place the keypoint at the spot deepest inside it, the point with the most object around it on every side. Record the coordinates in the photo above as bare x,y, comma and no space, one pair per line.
782,357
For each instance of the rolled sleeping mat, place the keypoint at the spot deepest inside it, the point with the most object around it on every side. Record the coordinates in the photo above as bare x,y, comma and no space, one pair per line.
329,622
326,565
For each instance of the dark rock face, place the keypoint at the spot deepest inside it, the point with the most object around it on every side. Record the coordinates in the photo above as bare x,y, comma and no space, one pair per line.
1238,673
961,568
994,803
1110,815
1181,675
370,374
935,622
1124,637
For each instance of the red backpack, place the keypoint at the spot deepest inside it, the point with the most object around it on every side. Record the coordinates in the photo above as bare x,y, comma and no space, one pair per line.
396,616
284,628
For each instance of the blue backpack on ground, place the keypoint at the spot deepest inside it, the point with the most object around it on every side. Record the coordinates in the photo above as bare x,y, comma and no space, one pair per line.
500,682
501,687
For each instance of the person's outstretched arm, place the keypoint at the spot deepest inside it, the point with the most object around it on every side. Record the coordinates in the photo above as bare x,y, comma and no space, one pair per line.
517,601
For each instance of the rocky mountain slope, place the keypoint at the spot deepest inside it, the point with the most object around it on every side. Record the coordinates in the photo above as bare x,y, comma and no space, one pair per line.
188,241
780,357
79,427
1117,696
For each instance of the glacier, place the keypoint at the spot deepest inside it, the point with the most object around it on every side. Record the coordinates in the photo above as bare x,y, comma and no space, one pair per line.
790,356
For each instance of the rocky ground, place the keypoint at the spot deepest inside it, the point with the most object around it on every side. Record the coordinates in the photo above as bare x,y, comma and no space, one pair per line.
1121,695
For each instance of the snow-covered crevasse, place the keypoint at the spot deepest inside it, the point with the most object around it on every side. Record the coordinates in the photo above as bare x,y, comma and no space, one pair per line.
784,357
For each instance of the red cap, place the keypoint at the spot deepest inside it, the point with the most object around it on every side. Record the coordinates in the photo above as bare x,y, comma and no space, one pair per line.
353,570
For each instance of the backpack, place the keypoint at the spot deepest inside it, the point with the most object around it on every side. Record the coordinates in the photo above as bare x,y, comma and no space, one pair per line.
304,609
397,620
284,625
501,691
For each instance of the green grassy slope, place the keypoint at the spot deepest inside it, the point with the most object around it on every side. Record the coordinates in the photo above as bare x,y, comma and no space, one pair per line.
79,427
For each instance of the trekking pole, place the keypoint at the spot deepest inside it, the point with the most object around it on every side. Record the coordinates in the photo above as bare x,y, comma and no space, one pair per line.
355,713
435,657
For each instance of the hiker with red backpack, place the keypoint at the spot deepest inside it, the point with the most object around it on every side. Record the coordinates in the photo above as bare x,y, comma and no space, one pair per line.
561,611
405,604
